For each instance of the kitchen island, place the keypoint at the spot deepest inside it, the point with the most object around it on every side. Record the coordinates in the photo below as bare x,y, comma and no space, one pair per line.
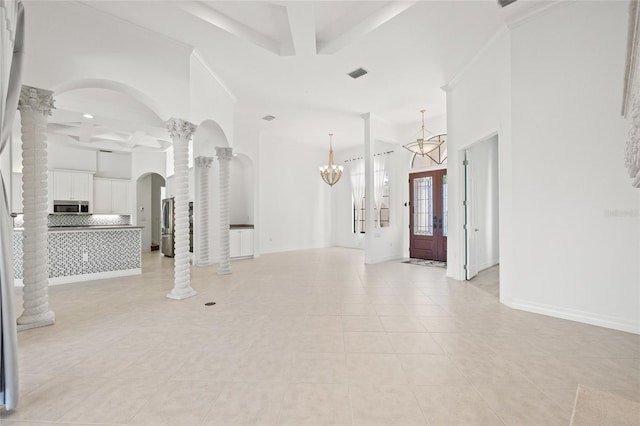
83,253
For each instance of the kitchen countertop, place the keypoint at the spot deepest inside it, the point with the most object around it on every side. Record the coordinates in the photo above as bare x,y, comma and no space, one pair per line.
87,228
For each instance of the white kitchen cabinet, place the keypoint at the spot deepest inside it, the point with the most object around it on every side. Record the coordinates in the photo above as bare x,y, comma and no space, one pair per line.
111,196
241,242
71,185
16,193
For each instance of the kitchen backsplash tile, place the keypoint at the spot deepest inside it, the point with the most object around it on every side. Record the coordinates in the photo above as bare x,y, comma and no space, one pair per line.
79,220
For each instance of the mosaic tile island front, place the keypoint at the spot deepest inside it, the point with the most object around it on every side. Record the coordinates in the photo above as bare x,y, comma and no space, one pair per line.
86,251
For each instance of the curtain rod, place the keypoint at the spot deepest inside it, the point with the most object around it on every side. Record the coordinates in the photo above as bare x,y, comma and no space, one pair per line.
360,158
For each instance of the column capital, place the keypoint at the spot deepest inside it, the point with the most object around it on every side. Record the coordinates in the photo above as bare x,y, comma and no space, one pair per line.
33,99
178,127
224,153
203,161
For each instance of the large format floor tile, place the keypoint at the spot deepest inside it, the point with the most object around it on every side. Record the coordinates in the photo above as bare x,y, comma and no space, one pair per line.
308,338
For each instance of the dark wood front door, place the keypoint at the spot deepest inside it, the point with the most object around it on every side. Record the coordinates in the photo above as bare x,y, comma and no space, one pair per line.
428,221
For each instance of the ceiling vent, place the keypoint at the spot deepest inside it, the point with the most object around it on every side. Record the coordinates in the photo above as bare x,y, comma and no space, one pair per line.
504,3
357,73
268,118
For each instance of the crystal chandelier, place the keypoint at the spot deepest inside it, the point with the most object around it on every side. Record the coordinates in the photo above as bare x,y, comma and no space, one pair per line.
431,147
331,173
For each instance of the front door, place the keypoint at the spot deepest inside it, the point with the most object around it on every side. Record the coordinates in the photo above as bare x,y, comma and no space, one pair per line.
428,215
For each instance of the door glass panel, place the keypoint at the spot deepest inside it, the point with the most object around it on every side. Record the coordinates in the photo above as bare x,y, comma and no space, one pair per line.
445,209
423,208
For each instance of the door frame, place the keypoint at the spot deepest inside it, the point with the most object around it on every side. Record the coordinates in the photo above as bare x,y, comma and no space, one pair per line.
464,236
437,242
407,211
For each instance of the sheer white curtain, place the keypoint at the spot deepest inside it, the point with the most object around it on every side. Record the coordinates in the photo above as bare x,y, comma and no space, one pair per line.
11,38
356,174
379,172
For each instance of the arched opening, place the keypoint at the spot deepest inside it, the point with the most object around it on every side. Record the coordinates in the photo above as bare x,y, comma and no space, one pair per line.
149,194
206,192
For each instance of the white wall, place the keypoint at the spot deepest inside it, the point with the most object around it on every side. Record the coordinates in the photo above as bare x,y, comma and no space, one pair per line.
114,165
295,210
209,99
478,105
69,158
241,191
382,244
574,258
551,88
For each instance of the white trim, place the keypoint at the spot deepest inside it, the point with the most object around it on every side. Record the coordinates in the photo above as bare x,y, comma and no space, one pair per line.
633,50
213,74
87,277
453,82
577,315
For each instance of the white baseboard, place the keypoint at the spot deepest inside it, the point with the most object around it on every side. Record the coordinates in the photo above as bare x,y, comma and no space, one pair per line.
88,277
606,321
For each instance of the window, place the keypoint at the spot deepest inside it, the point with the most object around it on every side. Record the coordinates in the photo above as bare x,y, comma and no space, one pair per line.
380,217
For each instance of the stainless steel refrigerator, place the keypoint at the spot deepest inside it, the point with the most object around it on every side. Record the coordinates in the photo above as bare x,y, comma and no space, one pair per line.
168,227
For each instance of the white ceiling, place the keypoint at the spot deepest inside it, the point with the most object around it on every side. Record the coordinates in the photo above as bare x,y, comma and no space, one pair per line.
290,59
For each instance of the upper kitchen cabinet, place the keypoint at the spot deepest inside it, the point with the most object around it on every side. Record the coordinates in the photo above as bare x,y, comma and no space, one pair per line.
71,185
111,196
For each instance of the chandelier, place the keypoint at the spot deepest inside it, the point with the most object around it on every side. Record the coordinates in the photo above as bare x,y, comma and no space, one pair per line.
431,147
331,173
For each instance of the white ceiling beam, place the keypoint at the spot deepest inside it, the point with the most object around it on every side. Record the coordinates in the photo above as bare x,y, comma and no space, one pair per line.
303,28
220,20
363,27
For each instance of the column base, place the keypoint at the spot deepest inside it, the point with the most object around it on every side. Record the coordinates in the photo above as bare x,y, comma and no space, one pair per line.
224,270
36,321
182,294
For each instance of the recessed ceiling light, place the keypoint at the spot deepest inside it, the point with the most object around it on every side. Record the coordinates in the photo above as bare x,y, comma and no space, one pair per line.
87,115
268,118
357,73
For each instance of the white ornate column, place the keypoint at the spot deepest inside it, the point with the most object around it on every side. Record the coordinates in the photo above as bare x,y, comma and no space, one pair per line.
224,157
631,99
181,131
35,106
203,164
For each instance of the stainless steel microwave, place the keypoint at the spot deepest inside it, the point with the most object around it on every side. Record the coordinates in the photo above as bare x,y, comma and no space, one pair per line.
70,207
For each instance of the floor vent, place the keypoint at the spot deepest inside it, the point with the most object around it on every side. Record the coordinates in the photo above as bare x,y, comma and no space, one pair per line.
357,73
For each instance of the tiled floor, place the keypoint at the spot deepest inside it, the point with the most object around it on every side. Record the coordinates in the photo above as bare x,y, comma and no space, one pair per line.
308,338
488,280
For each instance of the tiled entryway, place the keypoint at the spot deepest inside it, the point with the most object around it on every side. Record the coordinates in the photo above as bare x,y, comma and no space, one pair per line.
308,338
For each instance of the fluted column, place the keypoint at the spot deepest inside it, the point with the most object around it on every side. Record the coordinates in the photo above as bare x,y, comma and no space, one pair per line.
181,131
224,156
203,164
35,106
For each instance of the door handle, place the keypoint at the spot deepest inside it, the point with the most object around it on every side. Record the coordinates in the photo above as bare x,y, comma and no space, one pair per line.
435,222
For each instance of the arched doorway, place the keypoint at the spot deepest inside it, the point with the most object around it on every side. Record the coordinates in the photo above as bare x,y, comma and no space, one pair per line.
149,189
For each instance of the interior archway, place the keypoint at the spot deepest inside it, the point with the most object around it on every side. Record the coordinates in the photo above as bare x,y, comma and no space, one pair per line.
148,208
